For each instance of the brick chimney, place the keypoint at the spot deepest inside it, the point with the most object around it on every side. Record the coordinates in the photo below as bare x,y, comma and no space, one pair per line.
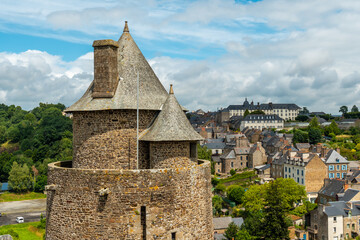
106,73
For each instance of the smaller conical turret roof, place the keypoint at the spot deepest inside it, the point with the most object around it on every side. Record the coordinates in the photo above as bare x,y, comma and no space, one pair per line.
171,124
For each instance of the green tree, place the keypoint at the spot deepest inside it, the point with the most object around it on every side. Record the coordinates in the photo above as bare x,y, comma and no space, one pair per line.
220,189
243,234
246,112
254,198
343,109
204,152
19,178
314,123
275,225
314,135
232,172
300,136
355,109
302,118
235,193
217,203
304,111
231,231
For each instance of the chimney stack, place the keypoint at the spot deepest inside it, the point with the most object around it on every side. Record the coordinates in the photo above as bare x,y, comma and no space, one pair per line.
106,73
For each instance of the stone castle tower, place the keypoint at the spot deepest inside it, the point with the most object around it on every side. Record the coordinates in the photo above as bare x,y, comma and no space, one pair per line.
106,191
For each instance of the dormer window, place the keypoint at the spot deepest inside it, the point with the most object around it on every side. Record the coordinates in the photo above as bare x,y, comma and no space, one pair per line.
337,160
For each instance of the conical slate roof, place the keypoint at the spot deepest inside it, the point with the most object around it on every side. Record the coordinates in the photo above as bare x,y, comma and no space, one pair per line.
171,124
131,61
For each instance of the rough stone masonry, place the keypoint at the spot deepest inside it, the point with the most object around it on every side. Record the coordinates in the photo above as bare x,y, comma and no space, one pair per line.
106,192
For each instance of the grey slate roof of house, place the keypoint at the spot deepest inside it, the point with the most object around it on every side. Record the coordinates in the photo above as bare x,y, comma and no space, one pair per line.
334,187
264,106
340,208
263,167
171,124
349,194
302,145
152,94
229,155
333,211
223,222
215,145
334,157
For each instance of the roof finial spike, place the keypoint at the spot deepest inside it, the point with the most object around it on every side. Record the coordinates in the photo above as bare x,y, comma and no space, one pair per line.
126,28
171,89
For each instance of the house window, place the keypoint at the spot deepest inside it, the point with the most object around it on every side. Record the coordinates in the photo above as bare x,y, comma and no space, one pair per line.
289,170
337,175
302,181
348,226
331,167
337,167
173,236
334,219
285,175
218,170
343,175
334,229
344,167
232,164
353,226
285,169
302,172
241,158
298,180
331,175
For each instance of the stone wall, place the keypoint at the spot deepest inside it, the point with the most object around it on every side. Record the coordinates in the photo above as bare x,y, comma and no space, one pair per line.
107,139
176,200
315,173
170,155
106,74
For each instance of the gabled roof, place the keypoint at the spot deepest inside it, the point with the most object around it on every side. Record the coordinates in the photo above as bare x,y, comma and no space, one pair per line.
131,61
334,157
228,155
302,145
349,194
171,124
223,222
334,187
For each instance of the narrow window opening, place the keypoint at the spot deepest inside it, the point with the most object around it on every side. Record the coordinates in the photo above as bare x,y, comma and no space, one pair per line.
173,236
143,221
193,151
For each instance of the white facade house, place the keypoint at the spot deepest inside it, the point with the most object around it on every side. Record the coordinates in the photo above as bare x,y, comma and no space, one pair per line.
285,111
260,121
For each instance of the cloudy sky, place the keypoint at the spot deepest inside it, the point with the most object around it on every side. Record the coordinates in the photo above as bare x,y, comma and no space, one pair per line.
215,52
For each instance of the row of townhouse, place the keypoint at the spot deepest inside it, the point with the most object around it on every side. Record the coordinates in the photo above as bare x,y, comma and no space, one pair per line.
284,111
336,220
241,155
309,169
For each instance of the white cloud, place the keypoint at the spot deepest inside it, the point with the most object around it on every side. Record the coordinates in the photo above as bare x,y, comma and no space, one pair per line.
34,76
305,52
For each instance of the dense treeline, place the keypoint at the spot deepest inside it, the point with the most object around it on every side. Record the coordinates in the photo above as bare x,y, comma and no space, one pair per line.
30,140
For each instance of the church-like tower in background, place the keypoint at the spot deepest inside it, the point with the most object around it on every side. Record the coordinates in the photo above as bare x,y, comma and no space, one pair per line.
105,192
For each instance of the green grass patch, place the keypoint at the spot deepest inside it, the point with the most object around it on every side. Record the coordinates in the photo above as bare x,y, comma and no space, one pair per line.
238,176
10,197
25,231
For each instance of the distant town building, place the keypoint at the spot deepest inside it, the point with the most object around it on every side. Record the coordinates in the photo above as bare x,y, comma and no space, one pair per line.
260,121
285,111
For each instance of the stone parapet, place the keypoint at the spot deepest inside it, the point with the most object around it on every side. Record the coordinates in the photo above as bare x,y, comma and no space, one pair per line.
175,200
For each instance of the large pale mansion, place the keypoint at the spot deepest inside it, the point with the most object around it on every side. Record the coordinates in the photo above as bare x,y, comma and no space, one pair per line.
288,111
